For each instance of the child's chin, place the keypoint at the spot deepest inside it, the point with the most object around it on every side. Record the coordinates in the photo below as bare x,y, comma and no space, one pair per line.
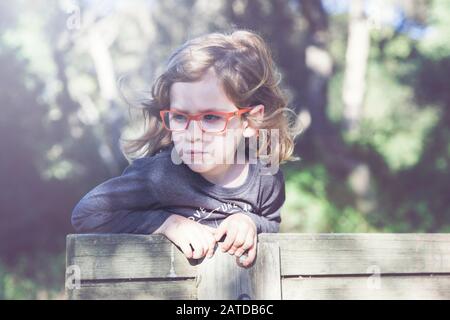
201,167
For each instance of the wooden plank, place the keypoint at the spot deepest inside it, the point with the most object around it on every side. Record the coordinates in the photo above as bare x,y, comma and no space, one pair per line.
328,254
136,290
125,256
362,288
107,263
138,256
266,272
222,278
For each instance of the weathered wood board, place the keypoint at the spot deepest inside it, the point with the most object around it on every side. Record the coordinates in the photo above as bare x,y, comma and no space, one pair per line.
288,266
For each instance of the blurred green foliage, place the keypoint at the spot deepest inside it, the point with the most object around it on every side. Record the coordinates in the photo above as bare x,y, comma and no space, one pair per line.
404,136
35,276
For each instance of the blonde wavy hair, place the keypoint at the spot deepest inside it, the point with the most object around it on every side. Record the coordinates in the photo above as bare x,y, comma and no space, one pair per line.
244,66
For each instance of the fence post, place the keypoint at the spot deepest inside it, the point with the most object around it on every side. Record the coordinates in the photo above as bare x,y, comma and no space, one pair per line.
222,278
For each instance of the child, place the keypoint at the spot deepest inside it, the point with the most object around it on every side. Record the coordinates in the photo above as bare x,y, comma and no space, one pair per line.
217,92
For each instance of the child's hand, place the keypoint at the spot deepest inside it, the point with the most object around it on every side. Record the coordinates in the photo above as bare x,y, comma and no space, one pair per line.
241,236
185,233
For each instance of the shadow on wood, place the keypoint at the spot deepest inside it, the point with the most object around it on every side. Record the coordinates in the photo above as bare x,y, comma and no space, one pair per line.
288,266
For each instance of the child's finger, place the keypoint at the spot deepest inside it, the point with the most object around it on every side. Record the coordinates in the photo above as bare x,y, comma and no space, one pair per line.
238,242
197,244
220,231
247,244
186,249
211,244
204,237
229,240
239,252
250,257
251,254
250,241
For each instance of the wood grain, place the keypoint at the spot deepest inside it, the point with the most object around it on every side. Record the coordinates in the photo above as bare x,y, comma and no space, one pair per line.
288,266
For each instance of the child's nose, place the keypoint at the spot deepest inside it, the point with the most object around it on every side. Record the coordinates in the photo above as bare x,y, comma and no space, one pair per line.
194,131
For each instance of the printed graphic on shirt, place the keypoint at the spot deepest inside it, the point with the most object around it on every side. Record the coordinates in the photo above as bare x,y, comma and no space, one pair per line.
228,207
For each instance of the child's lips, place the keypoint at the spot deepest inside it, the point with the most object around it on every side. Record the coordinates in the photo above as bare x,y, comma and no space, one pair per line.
192,152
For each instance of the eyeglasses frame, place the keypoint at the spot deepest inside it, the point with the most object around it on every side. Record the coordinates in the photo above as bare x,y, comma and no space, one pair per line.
197,117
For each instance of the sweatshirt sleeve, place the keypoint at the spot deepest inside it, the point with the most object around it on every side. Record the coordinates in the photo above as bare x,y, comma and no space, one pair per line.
273,196
124,204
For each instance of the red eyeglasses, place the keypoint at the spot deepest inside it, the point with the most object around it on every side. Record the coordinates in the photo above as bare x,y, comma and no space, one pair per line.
211,122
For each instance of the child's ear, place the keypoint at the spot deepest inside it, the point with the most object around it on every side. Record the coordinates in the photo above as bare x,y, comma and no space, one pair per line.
257,112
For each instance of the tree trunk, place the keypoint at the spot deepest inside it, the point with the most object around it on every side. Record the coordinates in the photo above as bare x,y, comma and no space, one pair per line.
336,155
104,67
357,54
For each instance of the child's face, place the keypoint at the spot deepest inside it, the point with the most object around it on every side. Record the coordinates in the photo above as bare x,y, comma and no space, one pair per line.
206,95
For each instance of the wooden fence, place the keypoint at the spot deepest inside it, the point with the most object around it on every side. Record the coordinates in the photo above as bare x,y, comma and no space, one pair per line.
288,266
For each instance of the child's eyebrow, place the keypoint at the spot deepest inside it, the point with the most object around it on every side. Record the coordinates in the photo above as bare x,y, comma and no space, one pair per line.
201,111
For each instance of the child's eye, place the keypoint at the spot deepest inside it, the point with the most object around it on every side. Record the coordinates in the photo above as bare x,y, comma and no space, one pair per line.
178,117
212,117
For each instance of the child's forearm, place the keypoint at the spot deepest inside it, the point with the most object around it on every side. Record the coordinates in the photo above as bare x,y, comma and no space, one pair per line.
87,218
124,204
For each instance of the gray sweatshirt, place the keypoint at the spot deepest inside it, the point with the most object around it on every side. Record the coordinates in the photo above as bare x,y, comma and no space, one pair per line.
152,188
